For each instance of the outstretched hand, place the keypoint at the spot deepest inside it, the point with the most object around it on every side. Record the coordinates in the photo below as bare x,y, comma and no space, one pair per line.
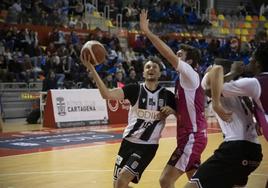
144,21
224,114
86,61
166,111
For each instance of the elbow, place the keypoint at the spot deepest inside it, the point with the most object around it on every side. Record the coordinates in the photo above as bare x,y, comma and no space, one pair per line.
105,96
172,59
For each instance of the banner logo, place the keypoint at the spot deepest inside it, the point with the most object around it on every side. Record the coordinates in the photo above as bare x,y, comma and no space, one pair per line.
61,106
160,102
114,105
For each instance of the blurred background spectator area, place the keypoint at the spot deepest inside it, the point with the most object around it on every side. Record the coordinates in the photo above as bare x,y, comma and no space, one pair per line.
40,40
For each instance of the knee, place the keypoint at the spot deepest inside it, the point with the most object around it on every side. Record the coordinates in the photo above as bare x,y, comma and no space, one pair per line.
190,185
121,182
164,182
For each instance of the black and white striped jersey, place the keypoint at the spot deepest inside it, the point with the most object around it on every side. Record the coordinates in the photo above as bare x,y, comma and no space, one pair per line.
144,124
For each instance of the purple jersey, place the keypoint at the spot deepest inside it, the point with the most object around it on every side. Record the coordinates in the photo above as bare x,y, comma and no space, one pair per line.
190,109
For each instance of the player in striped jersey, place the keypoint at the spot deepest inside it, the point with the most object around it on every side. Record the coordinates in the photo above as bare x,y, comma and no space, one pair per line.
190,98
150,105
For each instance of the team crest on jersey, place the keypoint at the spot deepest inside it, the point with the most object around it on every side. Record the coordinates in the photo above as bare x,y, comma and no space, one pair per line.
151,101
134,165
161,102
118,160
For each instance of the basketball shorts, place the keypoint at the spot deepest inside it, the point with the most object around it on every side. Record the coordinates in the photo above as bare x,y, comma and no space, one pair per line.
230,165
187,155
135,158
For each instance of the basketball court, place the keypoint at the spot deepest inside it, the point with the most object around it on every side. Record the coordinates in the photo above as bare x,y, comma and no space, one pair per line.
33,156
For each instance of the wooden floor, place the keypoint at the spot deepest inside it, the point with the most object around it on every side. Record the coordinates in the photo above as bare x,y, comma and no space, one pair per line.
92,166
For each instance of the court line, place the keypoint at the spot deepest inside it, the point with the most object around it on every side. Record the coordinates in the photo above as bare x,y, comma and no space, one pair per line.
86,171
122,128
84,147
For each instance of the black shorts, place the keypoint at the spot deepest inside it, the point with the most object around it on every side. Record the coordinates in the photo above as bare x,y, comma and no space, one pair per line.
135,158
230,165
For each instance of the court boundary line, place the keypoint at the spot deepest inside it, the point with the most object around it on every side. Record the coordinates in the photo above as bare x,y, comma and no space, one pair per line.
86,171
84,147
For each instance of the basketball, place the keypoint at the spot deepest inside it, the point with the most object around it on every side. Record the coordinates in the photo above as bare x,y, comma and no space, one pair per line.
94,51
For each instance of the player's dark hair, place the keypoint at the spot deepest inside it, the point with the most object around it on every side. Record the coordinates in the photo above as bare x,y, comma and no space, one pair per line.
225,63
260,55
156,60
192,53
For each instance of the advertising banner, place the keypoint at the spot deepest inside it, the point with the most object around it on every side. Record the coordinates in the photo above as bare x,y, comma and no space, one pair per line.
78,107
118,111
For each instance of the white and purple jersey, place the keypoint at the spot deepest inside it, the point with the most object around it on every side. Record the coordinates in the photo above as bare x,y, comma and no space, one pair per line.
242,126
257,90
251,87
190,99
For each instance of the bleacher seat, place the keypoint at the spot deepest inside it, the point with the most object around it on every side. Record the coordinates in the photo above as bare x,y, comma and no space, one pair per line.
247,25
237,31
254,25
226,24
221,17
193,35
244,39
244,32
215,23
186,34
248,18
262,18
241,24
96,14
252,32
255,18
109,23
200,35
226,31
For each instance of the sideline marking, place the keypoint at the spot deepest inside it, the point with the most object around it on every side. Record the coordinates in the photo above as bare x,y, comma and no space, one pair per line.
88,170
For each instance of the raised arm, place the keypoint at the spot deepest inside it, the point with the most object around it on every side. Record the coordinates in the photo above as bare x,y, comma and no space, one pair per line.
163,49
215,79
106,93
237,69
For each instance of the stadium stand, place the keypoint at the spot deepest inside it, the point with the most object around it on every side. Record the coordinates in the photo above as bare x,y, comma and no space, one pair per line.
43,36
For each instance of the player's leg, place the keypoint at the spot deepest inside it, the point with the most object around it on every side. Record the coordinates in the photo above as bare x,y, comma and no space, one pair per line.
192,185
169,176
210,175
190,173
197,147
230,165
131,163
250,159
185,158
124,178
